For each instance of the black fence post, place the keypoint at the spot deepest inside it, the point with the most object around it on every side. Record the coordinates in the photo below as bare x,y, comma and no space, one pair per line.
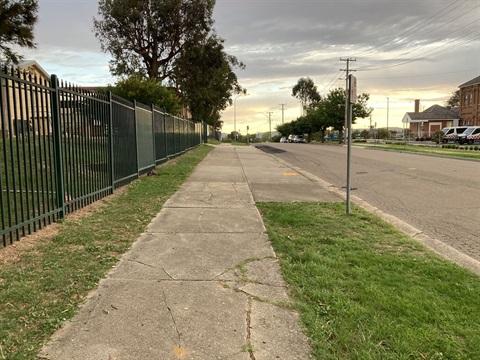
110,141
136,136
153,137
57,146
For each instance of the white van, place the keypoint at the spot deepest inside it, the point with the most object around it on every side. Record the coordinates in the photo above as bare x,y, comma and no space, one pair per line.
470,136
452,133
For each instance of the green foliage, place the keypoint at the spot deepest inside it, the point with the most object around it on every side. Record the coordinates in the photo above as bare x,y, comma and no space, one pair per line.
17,21
438,136
147,91
365,134
454,100
383,133
286,128
328,112
205,75
306,91
147,37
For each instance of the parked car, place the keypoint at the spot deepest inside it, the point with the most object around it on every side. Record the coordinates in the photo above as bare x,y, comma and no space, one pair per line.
283,139
334,137
470,135
299,139
451,135
290,138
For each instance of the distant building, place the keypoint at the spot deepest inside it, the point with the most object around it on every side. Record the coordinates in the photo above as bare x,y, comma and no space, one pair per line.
19,107
470,102
424,124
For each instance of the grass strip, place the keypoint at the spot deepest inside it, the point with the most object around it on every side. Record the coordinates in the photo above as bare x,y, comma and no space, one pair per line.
366,291
462,153
45,287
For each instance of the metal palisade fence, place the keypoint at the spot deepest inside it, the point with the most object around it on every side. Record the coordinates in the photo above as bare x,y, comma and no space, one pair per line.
64,147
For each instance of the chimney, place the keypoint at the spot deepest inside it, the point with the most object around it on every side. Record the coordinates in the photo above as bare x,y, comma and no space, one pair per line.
417,105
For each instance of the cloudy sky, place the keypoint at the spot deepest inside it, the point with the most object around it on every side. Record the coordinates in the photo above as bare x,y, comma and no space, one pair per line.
404,50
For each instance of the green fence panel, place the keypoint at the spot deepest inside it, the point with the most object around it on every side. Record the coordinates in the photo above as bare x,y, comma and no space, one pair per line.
145,139
124,141
159,131
63,147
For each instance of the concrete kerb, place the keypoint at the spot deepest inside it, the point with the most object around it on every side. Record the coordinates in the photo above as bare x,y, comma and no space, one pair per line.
437,246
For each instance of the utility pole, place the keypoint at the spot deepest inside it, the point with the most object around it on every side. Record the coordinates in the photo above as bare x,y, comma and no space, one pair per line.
269,115
283,109
270,123
347,72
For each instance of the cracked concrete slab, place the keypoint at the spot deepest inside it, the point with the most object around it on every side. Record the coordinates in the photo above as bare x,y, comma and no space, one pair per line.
215,173
155,320
275,333
265,271
204,220
189,256
211,195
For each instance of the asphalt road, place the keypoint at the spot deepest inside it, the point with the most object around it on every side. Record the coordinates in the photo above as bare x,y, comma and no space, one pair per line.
440,196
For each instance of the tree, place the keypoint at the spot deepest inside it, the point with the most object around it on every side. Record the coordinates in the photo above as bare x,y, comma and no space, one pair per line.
365,134
333,107
306,91
206,78
17,20
383,133
147,91
454,100
286,128
147,37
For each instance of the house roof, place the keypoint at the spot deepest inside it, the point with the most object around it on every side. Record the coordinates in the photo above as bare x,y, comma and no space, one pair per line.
435,112
474,81
32,63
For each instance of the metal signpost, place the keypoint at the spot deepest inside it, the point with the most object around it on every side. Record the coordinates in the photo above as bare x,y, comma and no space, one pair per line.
352,98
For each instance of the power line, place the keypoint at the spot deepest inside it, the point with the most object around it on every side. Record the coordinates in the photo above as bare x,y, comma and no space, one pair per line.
434,41
433,17
438,50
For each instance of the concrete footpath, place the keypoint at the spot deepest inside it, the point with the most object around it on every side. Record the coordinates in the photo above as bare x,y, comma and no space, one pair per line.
203,281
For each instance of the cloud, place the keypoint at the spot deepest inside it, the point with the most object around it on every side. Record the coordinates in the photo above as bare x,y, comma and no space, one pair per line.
404,49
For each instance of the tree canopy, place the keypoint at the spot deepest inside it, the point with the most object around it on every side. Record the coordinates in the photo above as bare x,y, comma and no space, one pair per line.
328,112
148,91
17,21
206,78
147,37
306,91
454,100
172,41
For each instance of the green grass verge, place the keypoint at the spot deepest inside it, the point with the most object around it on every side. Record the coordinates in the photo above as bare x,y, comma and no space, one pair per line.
366,291
429,150
45,287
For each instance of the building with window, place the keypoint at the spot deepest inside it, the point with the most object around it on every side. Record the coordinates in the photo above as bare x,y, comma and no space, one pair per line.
424,124
469,102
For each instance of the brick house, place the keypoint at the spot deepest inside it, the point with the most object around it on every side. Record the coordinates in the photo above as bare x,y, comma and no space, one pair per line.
423,124
470,102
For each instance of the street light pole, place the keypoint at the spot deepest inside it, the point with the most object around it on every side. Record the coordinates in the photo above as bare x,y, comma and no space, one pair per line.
388,106
235,114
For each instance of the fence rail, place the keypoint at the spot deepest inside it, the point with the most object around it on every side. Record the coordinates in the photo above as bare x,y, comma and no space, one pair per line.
63,147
